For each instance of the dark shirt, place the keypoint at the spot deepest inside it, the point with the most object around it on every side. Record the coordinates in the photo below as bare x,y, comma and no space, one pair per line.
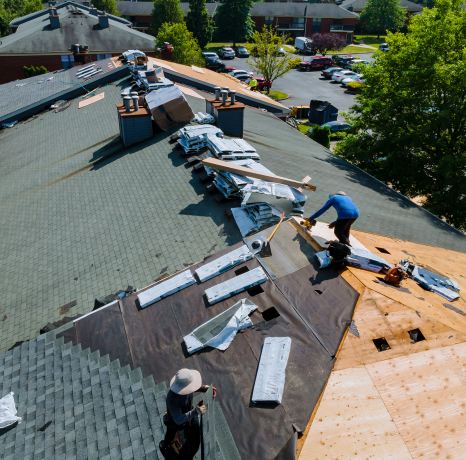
180,408
344,206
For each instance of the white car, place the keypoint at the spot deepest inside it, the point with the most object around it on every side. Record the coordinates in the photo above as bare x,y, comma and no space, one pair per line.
209,55
226,53
353,65
241,74
345,81
339,76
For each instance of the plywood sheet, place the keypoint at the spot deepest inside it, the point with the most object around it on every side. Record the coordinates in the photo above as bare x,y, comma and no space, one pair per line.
352,422
425,394
189,91
91,100
321,234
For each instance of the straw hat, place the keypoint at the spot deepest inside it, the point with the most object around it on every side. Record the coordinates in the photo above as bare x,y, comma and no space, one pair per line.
186,381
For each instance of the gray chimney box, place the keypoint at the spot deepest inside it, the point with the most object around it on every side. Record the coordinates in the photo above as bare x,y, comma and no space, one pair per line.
54,21
136,125
103,20
86,3
93,11
229,116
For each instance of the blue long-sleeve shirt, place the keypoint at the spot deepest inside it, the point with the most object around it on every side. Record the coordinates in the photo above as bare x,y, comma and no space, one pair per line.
344,206
180,408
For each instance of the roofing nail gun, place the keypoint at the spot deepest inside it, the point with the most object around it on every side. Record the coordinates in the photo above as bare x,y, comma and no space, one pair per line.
307,224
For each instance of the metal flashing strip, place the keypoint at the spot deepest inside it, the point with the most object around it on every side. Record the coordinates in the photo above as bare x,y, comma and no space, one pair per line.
96,311
165,288
270,378
223,264
220,331
235,285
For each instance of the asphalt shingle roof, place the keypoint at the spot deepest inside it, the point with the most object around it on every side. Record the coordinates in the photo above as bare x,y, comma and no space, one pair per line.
309,10
359,5
71,230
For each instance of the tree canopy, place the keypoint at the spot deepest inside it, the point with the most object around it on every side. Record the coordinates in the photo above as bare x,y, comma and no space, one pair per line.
166,11
199,23
185,47
109,6
264,57
380,15
233,21
32,6
411,115
9,10
323,43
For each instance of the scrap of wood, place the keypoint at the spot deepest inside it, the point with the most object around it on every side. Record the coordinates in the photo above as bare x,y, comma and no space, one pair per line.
91,100
90,92
242,171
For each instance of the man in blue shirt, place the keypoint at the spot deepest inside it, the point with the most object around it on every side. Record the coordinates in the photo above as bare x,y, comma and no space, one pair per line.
347,211
181,416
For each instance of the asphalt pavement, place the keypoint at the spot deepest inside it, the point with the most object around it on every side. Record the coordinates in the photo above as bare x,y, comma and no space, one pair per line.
304,86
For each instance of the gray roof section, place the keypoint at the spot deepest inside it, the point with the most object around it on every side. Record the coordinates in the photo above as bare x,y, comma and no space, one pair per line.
37,36
98,409
72,229
145,8
311,10
359,5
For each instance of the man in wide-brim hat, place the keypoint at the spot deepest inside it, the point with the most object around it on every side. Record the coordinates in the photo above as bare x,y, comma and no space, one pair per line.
180,412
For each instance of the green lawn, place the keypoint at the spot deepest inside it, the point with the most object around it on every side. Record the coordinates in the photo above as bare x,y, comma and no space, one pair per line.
304,128
352,50
277,95
371,40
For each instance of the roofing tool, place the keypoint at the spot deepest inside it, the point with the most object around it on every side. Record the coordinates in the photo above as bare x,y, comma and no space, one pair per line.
261,246
307,224
395,275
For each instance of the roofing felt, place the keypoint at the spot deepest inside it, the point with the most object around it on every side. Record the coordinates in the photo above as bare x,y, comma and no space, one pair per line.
145,8
359,5
38,37
72,229
97,409
311,10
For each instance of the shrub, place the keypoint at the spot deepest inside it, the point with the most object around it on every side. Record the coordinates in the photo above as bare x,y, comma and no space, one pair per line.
321,134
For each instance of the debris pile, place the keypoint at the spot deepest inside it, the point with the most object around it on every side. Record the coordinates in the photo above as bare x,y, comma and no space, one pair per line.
203,118
193,138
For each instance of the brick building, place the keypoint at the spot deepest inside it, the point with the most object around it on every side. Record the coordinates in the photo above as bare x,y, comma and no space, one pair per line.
304,19
49,37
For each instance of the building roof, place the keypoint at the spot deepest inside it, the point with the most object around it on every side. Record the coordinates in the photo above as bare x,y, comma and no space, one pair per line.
84,217
311,10
359,5
36,35
145,8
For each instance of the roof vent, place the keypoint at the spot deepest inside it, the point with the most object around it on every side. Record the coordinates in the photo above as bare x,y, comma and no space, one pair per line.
229,114
86,3
93,11
54,19
135,122
52,3
103,20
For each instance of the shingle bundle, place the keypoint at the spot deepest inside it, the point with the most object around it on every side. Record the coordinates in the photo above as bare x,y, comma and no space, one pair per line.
362,258
193,138
442,286
231,149
203,118
254,218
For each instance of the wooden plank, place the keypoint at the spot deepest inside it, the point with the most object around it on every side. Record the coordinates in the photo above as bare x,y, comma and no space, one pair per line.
352,422
425,394
91,100
243,171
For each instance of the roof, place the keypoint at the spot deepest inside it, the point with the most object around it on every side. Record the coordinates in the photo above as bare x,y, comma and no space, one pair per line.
359,5
67,178
36,35
311,10
94,407
145,8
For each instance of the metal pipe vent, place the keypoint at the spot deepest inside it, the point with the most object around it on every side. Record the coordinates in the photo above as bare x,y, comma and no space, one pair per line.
127,102
233,96
224,96
217,93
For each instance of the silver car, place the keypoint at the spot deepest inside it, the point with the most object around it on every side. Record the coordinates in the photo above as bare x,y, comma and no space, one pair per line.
209,55
226,53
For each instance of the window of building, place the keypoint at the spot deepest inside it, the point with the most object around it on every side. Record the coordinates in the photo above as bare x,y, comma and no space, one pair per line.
298,23
269,20
103,56
316,25
67,61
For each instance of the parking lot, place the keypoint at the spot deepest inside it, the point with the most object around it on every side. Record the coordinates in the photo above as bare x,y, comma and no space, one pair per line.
304,86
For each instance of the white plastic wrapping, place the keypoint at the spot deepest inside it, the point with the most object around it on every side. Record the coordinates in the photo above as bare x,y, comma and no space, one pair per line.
8,411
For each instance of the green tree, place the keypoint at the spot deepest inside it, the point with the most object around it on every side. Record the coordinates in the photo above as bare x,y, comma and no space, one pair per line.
199,23
32,6
264,58
9,10
34,71
380,15
321,134
233,21
109,6
166,11
185,47
410,119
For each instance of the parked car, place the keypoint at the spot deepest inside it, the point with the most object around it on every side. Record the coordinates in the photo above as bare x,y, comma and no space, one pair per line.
215,64
241,51
345,81
316,62
304,45
279,51
226,53
356,80
209,55
353,65
262,83
327,73
342,61
241,75
384,47
339,76
337,127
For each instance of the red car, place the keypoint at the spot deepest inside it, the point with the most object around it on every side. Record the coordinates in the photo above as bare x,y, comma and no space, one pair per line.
316,62
263,84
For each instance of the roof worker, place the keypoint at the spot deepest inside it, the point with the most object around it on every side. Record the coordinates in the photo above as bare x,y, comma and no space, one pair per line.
180,415
347,211
253,83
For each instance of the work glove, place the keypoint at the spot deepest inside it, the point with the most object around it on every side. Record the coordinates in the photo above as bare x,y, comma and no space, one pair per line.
200,408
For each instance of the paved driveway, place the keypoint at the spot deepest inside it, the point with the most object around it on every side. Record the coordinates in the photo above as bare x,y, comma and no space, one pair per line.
304,86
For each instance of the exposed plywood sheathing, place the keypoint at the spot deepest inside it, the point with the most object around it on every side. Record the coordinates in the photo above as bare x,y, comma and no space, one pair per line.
352,422
189,92
91,100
